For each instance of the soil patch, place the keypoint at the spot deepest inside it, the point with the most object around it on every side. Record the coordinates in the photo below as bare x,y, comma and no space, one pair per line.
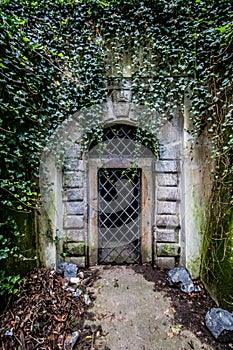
49,310
189,309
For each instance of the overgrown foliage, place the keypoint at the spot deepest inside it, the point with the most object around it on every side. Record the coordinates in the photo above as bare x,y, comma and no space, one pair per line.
58,56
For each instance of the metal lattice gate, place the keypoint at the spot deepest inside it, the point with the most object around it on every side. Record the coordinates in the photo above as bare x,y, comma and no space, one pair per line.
119,216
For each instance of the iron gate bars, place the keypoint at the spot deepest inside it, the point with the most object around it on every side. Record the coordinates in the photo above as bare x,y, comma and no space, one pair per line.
119,221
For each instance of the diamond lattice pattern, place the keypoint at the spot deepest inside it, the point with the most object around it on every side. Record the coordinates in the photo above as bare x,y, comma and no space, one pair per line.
119,141
119,216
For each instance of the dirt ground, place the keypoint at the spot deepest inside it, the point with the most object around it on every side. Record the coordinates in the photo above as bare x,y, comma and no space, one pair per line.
117,308
190,309
137,310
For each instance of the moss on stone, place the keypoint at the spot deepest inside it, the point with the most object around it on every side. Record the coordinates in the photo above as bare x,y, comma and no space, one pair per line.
217,265
75,249
194,266
168,249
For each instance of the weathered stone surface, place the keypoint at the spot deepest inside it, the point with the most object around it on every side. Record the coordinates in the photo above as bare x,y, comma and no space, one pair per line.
69,269
169,133
78,260
170,152
74,208
167,179
168,249
167,221
73,179
180,276
164,207
75,249
74,221
167,166
74,194
168,193
166,235
73,164
121,109
220,324
73,151
165,263
75,235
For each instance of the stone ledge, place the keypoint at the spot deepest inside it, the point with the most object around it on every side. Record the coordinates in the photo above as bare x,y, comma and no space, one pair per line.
168,249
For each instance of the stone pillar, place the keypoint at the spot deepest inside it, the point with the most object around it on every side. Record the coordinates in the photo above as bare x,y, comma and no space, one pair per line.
167,197
74,218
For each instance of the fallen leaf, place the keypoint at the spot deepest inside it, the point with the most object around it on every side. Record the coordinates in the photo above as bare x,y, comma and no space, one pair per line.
170,335
176,330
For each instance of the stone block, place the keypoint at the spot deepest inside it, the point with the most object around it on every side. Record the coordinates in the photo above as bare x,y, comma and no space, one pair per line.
121,109
73,164
165,263
73,179
73,151
167,221
73,221
80,261
168,193
167,179
166,235
74,208
74,194
170,152
168,249
167,166
75,235
164,207
169,132
75,249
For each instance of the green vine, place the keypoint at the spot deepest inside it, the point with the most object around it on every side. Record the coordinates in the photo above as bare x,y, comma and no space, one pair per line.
57,57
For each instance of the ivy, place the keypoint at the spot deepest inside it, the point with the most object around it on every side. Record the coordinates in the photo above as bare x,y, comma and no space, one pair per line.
58,56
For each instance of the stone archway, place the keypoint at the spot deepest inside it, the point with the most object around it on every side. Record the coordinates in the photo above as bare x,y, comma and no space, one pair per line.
120,199
64,231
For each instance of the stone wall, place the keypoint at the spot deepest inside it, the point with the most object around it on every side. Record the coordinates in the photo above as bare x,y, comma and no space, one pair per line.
173,225
165,233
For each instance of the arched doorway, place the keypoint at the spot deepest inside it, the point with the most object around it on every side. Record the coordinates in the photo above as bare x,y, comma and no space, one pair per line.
71,191
120,198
